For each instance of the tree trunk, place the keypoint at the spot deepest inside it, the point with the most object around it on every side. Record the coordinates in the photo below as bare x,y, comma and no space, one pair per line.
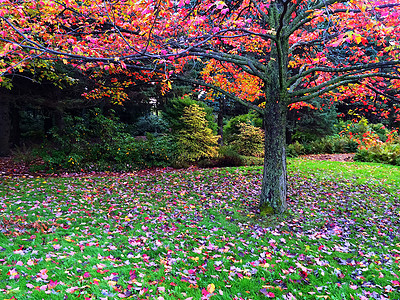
274,184
5,124
220,120
15,134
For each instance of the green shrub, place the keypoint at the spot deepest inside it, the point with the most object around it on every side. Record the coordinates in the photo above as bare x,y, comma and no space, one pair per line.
380,130
100,144
173,112
196,141
23,154
339,144
305,124
232,128
228,157
295,149
388,153
351,146
252,161
329,144
325,145
304,137
150,124
249,141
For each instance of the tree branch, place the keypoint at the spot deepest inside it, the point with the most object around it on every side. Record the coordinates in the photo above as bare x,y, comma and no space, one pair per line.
218,89
334,83
361,68
391,5
393,98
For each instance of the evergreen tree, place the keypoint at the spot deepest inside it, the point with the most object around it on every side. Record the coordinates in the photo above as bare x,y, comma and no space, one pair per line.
196,140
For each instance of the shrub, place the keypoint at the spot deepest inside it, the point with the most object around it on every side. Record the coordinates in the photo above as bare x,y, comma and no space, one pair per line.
99,144
150,124
295,149
249,141
232,128
306,124
228,157
252,161
380,130
388,153
196,141
173,112
23,154
330,144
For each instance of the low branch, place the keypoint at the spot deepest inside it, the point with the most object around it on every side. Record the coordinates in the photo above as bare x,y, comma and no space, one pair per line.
251,66
391,5
391,97
304,17
260,11
222,91
333,84
361,68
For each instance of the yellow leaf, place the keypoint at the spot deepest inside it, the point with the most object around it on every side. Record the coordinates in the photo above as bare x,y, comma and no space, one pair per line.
211,288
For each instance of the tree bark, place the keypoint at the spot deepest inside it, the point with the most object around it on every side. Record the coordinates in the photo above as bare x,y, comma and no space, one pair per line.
5,124
220,120
274,184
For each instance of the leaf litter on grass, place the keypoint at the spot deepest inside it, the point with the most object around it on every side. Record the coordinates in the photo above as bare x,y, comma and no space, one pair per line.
195,234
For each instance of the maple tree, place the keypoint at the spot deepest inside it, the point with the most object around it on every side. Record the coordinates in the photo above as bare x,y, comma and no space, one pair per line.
267,55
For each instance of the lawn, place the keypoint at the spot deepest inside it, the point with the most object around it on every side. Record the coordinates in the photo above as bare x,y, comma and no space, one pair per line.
195,234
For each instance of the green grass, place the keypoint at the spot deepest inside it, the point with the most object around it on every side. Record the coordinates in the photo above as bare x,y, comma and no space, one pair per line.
196,234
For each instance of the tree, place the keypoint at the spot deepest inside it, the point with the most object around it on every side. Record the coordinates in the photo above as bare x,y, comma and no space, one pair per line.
174,109
5,123
196,140
278,51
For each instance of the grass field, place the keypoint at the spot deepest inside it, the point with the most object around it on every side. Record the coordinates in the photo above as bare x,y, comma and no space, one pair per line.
195,234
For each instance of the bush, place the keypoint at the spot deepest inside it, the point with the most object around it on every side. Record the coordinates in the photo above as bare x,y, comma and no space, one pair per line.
173,112
295,149
196,141
228,157
380,130
100,144
249,141
150,124
232,128
388,153
330,144
252,161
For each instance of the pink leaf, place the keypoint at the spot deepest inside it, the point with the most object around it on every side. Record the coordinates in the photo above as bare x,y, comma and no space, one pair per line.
224,11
